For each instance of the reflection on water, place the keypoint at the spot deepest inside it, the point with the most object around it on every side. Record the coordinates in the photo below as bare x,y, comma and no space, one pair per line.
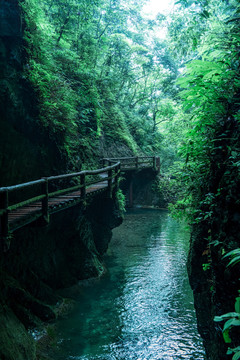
142,309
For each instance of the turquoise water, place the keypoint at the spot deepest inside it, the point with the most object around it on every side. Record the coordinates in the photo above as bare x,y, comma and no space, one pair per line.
142,308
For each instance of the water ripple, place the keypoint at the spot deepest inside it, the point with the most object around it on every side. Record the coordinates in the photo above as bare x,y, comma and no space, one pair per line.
143,308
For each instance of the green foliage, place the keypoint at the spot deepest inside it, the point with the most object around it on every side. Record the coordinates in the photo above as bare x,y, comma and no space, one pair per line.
205,42
206,266
121,200
94,76
235,351
231,319
235,257
209,87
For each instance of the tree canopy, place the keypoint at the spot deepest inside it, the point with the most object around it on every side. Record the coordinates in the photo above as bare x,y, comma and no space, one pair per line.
98,74
103,75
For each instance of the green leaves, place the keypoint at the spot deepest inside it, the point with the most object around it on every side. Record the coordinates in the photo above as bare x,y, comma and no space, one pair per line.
205,41
231,319
206,267
235,255
237,305
231,322
235,351
208,86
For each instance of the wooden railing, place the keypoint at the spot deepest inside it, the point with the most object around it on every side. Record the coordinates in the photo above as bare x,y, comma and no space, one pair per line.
23,196
135,163
24,203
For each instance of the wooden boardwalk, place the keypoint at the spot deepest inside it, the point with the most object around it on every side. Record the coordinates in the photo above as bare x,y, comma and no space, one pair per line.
36,200
29,213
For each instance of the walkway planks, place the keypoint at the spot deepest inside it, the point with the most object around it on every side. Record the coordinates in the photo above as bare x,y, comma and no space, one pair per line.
41,202
29,213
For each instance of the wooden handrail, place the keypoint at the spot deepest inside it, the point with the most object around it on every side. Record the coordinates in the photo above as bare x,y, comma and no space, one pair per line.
21,186
4,214
84,172
111,179
42,194
129,158
134,161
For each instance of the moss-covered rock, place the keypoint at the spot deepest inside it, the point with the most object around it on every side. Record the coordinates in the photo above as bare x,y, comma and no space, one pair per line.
215,286
43,259
15,342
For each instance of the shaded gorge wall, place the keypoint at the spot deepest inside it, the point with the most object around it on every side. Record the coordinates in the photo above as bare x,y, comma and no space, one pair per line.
42,260
215,285
26,149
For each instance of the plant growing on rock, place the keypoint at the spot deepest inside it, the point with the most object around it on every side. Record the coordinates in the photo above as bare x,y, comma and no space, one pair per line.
232,319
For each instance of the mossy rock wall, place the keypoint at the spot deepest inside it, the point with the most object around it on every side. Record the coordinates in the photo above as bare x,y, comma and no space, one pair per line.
26,150
42,260
215,285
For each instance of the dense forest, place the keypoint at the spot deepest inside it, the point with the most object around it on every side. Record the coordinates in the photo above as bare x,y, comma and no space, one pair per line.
98,75
86,79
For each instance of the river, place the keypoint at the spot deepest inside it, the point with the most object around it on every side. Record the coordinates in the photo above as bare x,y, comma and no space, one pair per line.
142,308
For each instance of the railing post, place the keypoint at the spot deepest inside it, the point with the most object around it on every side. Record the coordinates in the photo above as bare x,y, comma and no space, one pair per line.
119,172
158,164
116,177
154,163
45,210
83,186
136,159
4,216
131,193
110,183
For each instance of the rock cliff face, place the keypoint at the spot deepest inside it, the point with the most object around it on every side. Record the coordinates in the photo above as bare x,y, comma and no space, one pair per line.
23,143
215,286
204,291
44,259
40,260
